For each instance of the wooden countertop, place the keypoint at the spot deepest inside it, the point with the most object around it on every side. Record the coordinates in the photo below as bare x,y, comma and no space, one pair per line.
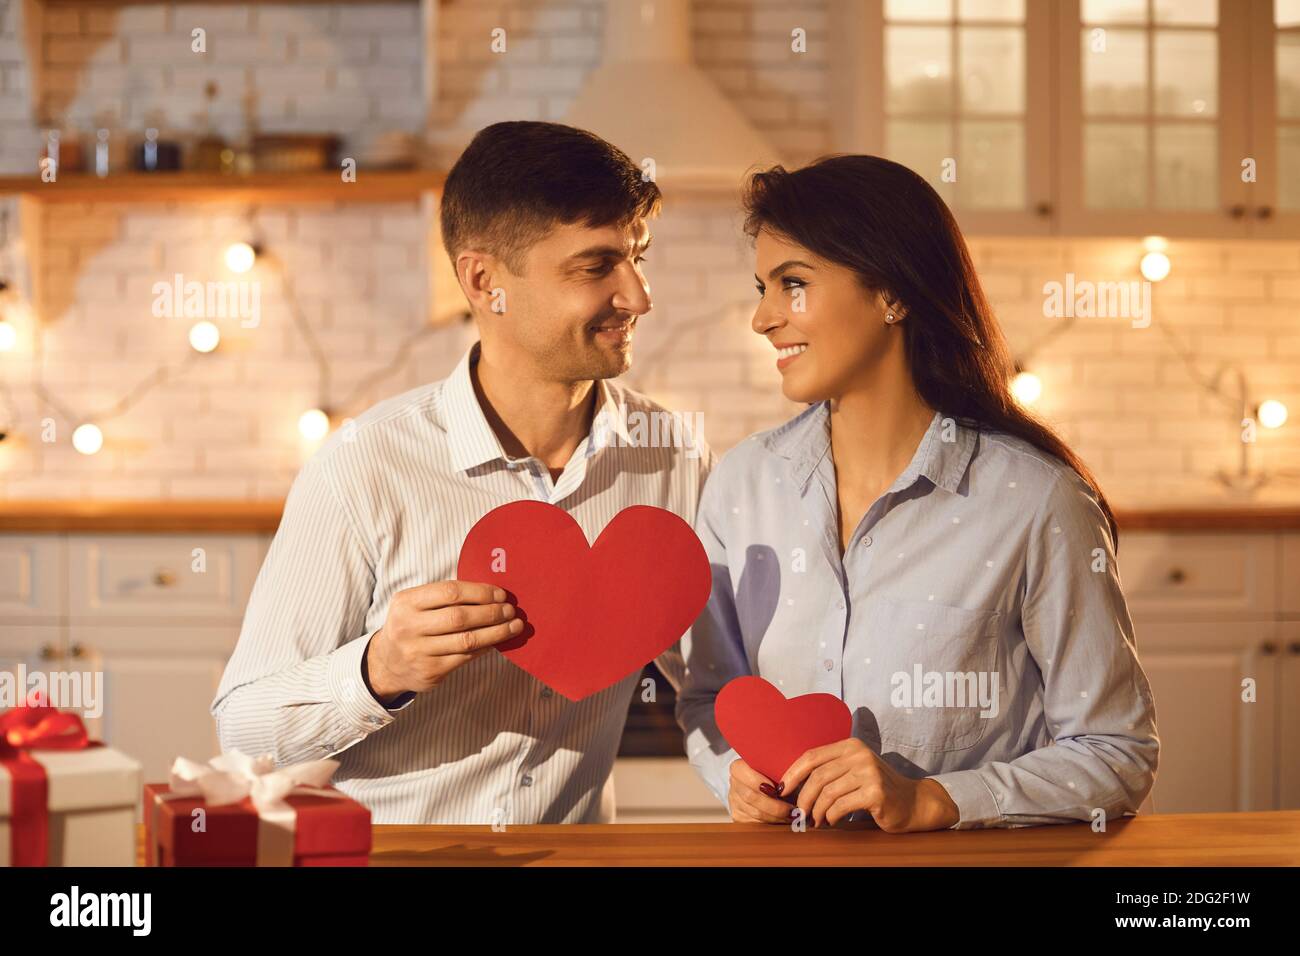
263,517
151,517
1183,839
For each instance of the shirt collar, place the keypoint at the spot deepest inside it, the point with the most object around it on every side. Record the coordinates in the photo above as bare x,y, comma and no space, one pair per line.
471,440
942,455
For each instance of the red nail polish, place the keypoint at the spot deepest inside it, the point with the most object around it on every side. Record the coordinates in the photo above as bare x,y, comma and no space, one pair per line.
767,789
780,787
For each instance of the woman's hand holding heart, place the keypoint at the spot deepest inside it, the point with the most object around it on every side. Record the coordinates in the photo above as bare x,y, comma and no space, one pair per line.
832,781
752,798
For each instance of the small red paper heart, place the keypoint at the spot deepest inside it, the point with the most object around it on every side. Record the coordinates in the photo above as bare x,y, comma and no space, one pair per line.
592,614
771,731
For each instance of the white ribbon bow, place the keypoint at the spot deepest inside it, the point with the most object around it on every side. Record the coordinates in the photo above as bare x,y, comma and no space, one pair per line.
232,776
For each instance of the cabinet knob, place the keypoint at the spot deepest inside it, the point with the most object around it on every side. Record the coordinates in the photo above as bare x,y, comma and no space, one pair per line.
77,650
1043,209
1177,575
1268,648
1293,648
1264,212
1237,212
48,652
164,578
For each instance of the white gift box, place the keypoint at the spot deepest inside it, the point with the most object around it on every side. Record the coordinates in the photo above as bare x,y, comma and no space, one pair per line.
93,795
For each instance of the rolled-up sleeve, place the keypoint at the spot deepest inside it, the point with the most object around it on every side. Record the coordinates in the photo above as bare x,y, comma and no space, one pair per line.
294,686
1096,699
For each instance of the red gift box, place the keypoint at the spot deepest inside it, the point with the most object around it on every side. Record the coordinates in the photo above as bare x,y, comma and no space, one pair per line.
327,831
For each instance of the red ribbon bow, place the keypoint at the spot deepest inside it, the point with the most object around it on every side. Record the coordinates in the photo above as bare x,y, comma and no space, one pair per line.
34,726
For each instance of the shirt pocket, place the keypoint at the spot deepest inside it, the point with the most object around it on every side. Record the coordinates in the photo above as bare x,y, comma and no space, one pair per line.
953,642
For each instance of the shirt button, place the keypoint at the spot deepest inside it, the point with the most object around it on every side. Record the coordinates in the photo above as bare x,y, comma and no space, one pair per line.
374,721
546,692
528,780
828,664
866,542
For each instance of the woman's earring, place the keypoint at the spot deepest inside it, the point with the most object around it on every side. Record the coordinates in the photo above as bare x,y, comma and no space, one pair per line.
890,318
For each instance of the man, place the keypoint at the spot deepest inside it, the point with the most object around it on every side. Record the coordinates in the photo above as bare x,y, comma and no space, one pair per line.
358,643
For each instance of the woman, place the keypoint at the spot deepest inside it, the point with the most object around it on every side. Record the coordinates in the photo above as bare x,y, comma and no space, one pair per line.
914,542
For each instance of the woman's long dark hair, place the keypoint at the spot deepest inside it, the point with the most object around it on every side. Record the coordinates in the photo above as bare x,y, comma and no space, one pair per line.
889,226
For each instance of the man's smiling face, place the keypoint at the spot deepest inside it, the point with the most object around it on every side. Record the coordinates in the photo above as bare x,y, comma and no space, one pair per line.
574,309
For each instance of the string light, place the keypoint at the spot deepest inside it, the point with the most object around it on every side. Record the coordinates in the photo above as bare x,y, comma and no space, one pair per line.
8,334
1027,388
240,256
1271,413
204,336
1155,266
314,424
88,439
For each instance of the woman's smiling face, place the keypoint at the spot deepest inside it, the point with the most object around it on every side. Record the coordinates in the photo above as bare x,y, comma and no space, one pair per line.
829,333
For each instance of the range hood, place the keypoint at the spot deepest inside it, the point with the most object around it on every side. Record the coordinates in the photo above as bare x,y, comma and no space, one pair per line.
650,99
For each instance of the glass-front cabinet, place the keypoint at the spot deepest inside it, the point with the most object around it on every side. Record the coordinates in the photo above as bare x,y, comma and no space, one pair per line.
1084,117
1274,207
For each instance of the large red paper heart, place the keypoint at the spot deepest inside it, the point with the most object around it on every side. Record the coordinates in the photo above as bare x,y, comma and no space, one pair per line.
592,614
771,731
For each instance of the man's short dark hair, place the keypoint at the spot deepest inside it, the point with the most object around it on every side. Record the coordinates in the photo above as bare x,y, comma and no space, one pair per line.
517,180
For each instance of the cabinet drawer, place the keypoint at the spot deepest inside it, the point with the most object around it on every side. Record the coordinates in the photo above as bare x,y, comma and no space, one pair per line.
1180,574
154,576
32,585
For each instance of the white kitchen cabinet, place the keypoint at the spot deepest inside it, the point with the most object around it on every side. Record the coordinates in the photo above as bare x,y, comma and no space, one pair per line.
1081,117
32,645
1289,578
1272,204
1217,752
958,91
138,610
159,683
1196,576
33,578
1288,704
171,578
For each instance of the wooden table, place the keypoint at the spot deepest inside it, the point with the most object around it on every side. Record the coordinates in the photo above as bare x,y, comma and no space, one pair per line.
1191,839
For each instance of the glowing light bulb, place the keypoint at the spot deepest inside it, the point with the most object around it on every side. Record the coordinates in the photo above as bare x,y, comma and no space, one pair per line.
88,439
1272,413
8,337
1026,387
314,424
1155,266
240,257
204,336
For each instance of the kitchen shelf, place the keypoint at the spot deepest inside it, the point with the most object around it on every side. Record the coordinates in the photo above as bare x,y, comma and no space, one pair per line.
370,186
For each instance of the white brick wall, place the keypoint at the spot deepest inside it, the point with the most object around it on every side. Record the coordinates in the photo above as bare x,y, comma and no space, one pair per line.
226,427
